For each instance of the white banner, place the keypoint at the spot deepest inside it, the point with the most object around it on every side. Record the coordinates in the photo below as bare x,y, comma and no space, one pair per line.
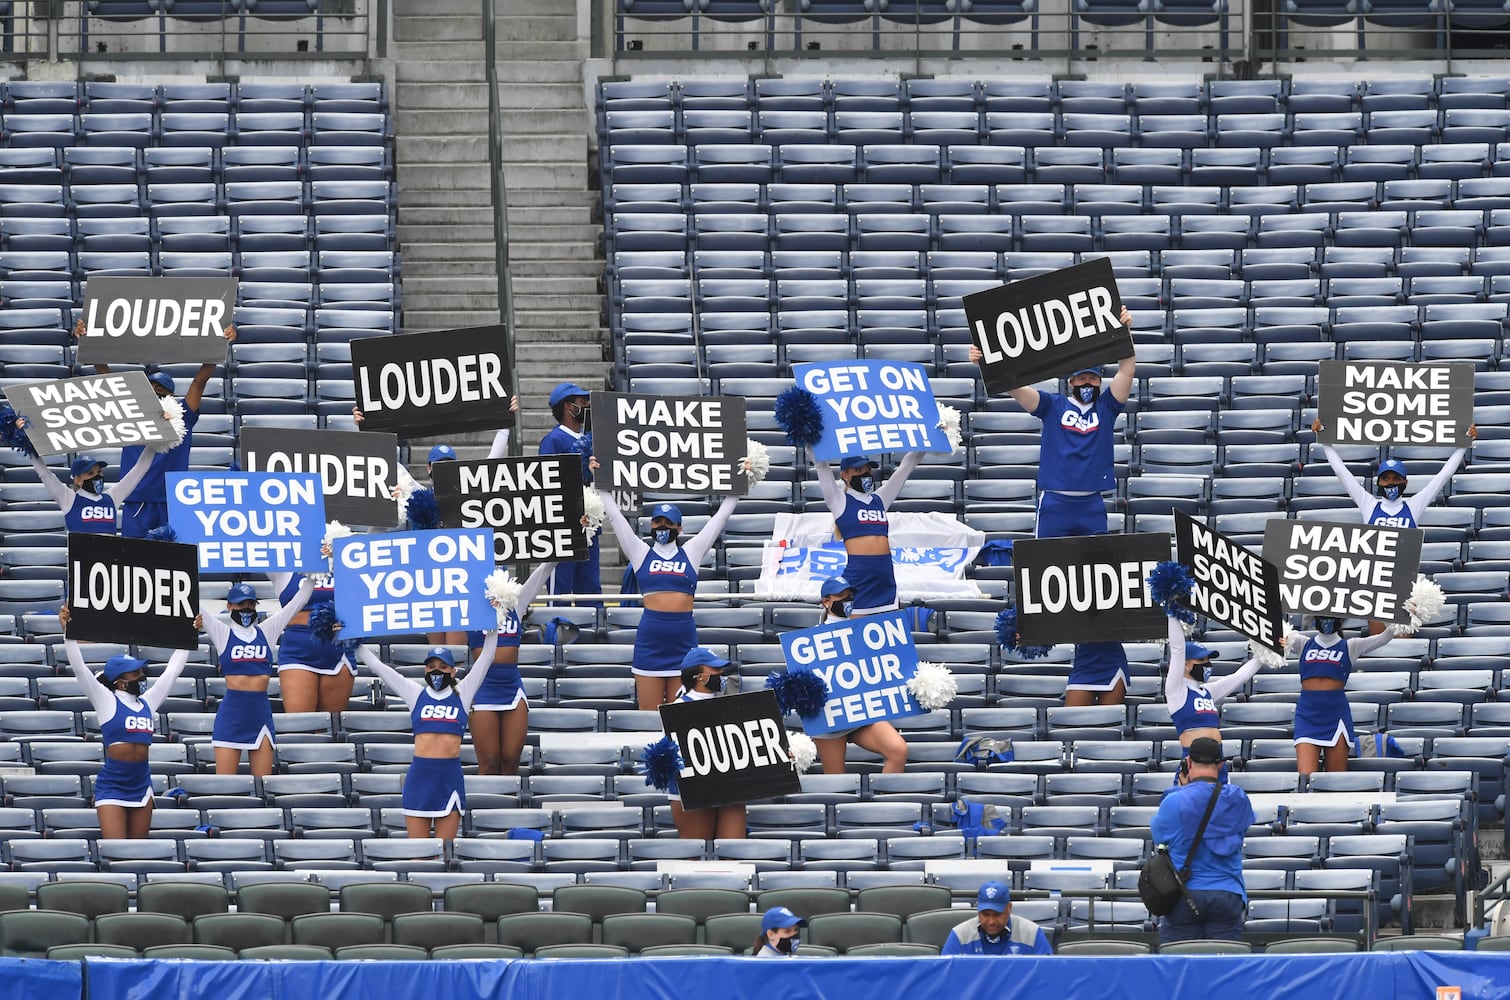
929,553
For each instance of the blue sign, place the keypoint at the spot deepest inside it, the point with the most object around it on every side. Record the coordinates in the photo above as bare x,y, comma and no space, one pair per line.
864,662
260,522
413,581
873,406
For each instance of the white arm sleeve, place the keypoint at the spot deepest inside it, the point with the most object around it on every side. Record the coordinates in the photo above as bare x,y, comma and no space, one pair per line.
1366,644
1223,686
830,486
122,489
397,682
98,694
278,620
630,543
61,494
1355,490
697,549
472,683
163,686
1174,681
218,631
893,486
1422,500
500,447
279,580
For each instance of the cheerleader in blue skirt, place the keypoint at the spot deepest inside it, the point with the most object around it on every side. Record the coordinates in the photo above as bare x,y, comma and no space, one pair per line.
1323,720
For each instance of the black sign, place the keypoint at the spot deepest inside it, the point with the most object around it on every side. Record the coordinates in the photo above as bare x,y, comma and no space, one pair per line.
1344,570
734,749
1048,325
670,444
133,590
359,470
1091,589
1232,584
1383,403
96,411
163,320
456,380
534,505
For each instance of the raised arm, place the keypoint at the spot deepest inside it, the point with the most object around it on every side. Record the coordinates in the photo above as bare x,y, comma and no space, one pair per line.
397,682
630,543
531,587
1366,644
133,476
1429,493
195,395
500,447
472,683
161,688
278,620
61,494
1223,686
893,486
218,631
697,548
1349,482
1027,397
98,694
1174,681
1127,370
829,486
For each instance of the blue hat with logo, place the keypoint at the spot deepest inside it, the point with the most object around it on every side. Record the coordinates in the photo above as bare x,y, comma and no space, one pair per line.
442,654
669,511
993,896
834,586
1391,465
1195,651
702,656
162,379
240,592
442,453
1086,371
120,664
854,462
778,917
565,391
83,464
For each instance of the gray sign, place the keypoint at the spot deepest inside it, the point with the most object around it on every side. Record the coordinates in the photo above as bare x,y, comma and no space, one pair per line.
690,445
1346,570
1384,403
160,320
96,411
359,469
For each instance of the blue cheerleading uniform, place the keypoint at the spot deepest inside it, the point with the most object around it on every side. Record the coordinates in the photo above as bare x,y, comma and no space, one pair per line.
503,690
1076,453
1323,717
124,719
864,515
90,513
434,785
299,647
244,719
663,638
1402,513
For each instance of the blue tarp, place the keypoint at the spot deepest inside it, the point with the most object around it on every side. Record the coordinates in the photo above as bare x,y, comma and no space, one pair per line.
1378,976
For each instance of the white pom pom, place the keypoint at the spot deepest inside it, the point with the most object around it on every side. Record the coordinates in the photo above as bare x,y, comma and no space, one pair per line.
592,509
949,424
1268,658
804,750
1398,630
933,686
174,411
1424,604
759,457
1294,641
503,591
333,530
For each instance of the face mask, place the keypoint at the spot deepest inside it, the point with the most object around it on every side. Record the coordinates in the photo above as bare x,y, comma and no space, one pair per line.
133,688
787,945
1198,672
245,617
1087,393
866,483
663,536
840,609
438,680
714,683
1392,493
93,484
1328,626
583,414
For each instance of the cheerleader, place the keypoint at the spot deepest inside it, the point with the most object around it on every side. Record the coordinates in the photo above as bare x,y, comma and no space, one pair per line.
1191,693
500,714
1323,719
123,788
859,507
314,674
434,794
244,720
879,737
702,678
87,505
1390,507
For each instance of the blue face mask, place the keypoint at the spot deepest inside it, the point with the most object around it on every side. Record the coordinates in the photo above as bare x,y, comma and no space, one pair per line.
663,536
1392,493
1328,626
1087,393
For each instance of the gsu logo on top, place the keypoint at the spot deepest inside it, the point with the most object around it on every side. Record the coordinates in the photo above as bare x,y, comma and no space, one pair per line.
1328,655
1080,423
94,512
667,566
445,713
138,724
1204,705
870,516
1399,521
248,652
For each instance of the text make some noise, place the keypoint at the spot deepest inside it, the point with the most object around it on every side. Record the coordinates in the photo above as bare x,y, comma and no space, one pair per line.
675,445
1344,568
99,412
1228,584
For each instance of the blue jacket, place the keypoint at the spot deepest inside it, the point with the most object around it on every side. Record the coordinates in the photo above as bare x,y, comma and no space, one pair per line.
560,441
1218,863
1022,937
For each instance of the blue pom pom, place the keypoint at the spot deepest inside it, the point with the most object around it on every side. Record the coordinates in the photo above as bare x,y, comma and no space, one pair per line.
800,691
163,534
663,761
12,436
798,413
1167,584
323,622
424,513
1006,634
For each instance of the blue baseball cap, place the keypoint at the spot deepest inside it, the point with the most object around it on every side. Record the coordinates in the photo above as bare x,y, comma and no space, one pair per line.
1391,465
120,664
566,390
854,462
442,654
162,379
993,896
702,656
1195,651
442,453
835,585
240,592
1086,371
778,917
669,511
83,464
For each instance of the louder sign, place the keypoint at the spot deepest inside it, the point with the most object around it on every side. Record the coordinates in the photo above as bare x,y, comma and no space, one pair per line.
458,380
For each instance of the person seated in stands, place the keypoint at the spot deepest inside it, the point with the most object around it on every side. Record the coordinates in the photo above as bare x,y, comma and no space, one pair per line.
879,737
994,931
778,934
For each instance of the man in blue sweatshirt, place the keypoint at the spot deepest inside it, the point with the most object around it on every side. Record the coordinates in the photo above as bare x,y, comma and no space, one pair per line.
994,931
